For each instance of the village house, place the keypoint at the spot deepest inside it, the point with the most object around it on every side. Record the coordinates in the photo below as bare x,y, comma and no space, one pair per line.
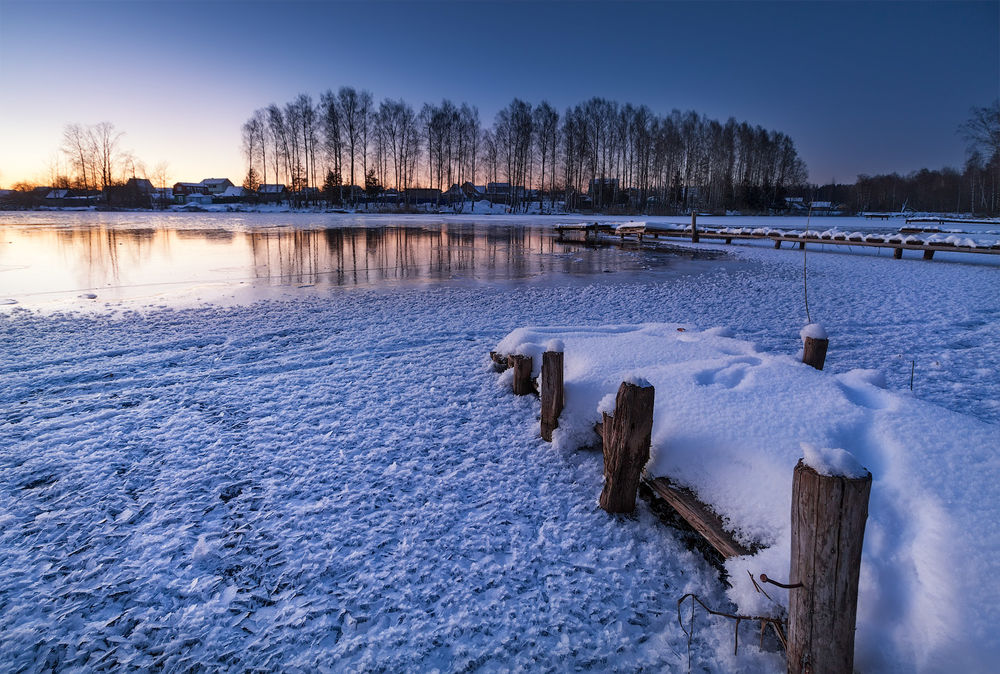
272,193
215,185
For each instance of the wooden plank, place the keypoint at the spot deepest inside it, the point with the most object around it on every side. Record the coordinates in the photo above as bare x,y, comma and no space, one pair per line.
701,518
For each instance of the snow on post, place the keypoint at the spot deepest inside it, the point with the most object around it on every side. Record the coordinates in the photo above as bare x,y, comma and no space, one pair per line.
814,345
830,491
627,437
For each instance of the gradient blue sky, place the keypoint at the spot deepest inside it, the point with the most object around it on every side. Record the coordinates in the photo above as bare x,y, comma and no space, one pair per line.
860,87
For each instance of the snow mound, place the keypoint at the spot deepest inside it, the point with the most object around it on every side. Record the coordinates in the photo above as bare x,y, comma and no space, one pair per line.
832,462
732,422
813,331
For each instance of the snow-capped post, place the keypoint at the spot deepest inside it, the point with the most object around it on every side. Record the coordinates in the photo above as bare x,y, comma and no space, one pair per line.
552,387
694,226
627,436
814,345
829,509
522,374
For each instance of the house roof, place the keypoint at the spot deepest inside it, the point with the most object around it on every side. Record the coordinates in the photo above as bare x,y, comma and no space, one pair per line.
271,189
214,181
233,191
57,194
141,183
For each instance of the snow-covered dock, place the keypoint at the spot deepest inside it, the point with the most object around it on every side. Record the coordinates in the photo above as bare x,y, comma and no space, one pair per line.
832,237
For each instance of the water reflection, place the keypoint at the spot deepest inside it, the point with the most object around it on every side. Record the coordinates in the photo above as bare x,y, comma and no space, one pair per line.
36,260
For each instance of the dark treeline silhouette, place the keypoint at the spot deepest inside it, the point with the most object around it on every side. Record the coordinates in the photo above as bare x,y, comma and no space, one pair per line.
598,154
974,189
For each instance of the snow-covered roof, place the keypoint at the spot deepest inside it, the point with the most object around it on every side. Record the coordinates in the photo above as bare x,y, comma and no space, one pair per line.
233,191
57,194
271,189
821,204
212,182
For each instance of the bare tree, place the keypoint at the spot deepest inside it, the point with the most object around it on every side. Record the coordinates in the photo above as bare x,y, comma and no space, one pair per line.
352,111
78,148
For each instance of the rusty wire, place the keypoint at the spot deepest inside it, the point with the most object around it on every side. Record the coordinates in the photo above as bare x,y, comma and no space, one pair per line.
776,623
764,578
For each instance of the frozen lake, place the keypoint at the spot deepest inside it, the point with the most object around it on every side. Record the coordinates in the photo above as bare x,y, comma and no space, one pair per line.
69,259
336,477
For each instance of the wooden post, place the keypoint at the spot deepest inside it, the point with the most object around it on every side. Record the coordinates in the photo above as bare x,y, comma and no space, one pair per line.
897,253
500,362
828,528
814,352
777,244
694,226
627,437
802,244
522,374
928,254
552,392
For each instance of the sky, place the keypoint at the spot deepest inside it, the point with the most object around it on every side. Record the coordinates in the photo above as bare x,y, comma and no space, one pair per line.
868,87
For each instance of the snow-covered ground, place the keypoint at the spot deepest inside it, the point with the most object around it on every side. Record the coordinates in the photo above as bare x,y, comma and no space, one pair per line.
335,479
731,421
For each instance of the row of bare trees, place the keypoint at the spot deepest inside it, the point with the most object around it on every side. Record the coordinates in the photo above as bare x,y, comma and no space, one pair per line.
96,160
598,153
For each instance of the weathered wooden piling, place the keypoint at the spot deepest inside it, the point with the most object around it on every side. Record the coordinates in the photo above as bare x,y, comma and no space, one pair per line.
928,254
522,374
814,351
694,227
828,529
627,437
552,392
897,253
777,244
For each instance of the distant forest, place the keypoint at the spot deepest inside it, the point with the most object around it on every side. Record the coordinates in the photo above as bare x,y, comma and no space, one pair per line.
599,155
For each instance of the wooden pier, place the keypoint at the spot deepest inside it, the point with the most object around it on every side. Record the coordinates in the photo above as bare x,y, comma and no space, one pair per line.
897,242
827,521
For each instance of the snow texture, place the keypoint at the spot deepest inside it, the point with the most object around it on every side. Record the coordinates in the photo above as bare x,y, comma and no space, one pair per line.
336,481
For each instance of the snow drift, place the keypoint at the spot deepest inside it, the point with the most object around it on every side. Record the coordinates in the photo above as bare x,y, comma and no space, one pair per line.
730,422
